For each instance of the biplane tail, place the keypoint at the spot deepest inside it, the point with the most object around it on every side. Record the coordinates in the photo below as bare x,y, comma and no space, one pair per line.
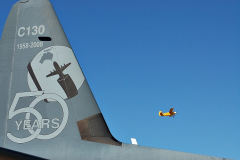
160,113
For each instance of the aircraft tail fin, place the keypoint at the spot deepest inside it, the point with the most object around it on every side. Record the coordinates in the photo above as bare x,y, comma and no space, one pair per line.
39,110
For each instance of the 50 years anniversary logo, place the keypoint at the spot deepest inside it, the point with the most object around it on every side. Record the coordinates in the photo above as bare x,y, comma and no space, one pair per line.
53,77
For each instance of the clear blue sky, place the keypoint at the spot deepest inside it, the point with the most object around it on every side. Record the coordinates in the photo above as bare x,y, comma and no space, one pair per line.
142,56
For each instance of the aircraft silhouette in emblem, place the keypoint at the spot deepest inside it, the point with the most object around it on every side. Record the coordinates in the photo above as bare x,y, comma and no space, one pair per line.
64,80
59,70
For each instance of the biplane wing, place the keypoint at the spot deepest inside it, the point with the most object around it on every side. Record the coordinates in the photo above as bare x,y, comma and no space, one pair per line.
171,110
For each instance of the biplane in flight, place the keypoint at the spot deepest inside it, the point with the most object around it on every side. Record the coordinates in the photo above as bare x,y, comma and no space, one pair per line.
170,113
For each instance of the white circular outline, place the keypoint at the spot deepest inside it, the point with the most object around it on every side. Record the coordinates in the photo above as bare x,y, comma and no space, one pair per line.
64,120
35,134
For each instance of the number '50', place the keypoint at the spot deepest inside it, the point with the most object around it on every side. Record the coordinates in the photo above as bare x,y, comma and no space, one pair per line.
30,110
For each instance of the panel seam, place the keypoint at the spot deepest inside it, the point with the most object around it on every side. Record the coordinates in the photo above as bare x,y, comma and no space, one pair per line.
10,86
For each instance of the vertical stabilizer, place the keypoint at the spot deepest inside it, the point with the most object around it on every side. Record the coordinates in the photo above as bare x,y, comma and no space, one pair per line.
44,98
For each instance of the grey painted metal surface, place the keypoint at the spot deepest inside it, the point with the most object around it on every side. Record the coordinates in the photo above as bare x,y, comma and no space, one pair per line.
45,99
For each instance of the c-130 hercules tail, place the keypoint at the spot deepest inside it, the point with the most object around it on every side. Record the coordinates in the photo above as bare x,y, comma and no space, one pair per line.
47,109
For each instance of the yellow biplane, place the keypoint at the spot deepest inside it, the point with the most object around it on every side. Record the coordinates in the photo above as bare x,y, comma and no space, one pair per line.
170,113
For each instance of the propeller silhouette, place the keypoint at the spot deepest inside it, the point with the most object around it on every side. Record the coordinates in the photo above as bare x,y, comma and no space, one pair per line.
174,115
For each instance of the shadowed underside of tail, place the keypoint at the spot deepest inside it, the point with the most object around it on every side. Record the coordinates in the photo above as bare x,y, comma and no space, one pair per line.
47,108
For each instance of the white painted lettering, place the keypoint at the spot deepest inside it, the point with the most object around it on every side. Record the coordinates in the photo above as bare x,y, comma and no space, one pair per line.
26,124
18,124
41,29
39,123
35,29
45,122
55,122
35,124
19,32
28,29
